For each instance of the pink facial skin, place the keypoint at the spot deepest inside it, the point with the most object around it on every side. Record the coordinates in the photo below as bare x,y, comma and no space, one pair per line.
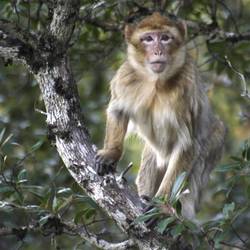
156,45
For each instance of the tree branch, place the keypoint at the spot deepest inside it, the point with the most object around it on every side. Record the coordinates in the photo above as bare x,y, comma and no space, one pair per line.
216,33
64,17
18,45
56,226
93,239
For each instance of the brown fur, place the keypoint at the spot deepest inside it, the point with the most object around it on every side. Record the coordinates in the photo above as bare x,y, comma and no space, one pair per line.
171,113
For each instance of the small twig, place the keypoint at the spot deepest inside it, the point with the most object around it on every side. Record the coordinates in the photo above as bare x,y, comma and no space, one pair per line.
8,205
238,236
178,6
16,11
245,92
38,11
40,111
213,8
232,245
206,62
103,25
95,221
29,17
121,176
230,13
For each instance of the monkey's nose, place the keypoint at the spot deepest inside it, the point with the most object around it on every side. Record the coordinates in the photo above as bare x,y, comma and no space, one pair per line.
158,53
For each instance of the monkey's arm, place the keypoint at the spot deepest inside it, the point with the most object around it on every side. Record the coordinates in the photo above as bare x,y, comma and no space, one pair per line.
116,127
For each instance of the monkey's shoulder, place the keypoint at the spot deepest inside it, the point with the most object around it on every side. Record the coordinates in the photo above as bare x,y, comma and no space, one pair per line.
124,76
127,85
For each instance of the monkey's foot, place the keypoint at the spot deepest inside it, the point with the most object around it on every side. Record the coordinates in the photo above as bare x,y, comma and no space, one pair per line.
160,210
146,200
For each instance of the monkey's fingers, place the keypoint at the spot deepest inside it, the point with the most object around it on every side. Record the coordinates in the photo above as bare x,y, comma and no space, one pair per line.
101,169
148,208
151,222
167,209
104,166
146,200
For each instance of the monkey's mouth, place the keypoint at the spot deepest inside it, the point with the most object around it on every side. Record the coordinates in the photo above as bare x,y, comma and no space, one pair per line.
158,66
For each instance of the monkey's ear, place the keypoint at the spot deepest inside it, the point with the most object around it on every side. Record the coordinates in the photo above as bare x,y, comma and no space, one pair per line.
128,31
182,26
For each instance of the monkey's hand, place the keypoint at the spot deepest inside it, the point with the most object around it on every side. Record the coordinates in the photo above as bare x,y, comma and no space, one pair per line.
106,161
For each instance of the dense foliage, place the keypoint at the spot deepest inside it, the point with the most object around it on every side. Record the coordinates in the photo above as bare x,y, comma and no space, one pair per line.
36,189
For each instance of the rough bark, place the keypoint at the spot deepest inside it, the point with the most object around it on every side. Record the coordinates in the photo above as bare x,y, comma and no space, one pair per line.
46,57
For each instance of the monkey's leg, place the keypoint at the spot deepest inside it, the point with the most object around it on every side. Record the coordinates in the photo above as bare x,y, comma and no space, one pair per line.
177,162
210,152
148,177
190,201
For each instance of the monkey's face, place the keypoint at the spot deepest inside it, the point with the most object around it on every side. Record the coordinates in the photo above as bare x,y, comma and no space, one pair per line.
157,47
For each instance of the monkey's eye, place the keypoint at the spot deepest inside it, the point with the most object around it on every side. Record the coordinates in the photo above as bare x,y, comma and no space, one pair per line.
166,38
147,39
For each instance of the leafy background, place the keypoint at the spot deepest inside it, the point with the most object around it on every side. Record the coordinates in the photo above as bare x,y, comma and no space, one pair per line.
34,185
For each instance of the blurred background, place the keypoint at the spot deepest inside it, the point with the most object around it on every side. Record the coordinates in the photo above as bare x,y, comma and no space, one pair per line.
33,181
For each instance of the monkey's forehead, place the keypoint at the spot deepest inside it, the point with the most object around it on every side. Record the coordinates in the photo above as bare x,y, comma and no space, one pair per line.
156,20
165,29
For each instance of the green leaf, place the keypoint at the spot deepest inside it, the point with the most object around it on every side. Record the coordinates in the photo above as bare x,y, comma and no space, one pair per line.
190,225
79,217
228,209
236,158
43,220
177,206
50,199
228,167
54,204
177,230
159,200
85,199
211,224
38,196
246,151
22,175
6,189
37,145
65,203
218,238
145,217
89,213
177,187
2,134
238,212
248,192
162,224
6,140
64,191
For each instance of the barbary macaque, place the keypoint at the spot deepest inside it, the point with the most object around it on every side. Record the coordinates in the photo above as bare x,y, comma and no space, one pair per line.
159,90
